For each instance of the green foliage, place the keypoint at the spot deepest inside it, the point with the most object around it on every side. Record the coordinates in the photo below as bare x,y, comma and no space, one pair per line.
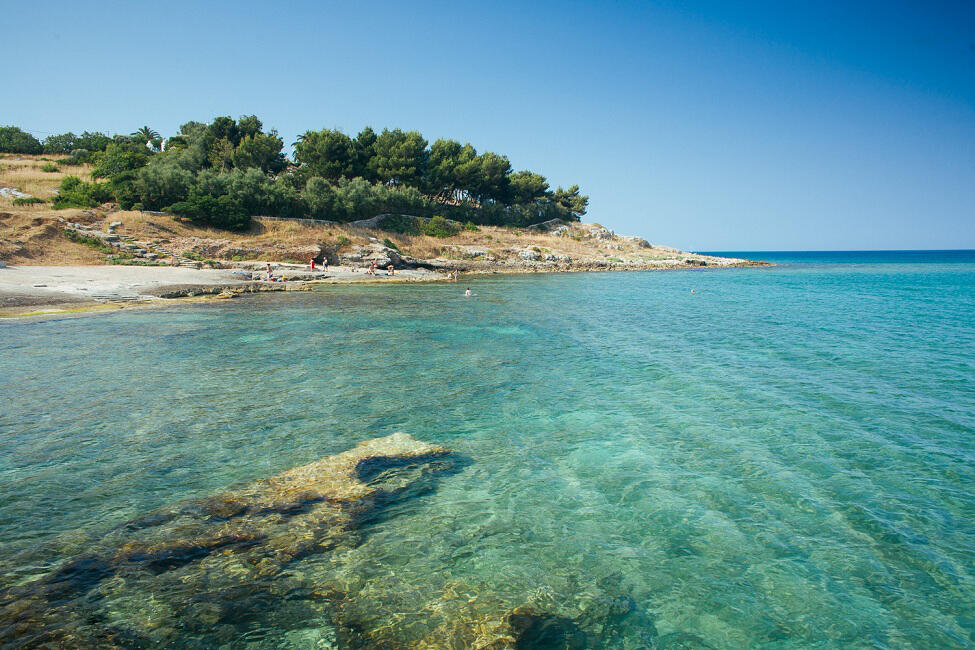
262,151
452,170
49,167
145,134
437,226
74,193
471,227
116,159
528,187
389,243
92,141
161,184
227,170
69,142
399,158
63,143
77,157
326,153
15,140
401,224
216,211
28,201
88,240
571,201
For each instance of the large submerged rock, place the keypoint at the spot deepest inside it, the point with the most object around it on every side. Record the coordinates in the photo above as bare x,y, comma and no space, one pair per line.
203,566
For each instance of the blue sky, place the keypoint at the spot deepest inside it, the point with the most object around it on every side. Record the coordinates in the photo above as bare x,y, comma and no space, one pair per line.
725,126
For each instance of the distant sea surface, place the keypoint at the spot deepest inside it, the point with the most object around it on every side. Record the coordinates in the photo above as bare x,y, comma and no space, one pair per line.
783,458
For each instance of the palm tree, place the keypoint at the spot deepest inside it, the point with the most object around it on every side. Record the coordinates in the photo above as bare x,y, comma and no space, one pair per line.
146,134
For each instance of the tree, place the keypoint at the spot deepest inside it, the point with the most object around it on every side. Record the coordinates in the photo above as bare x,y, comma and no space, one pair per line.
327,153
323,202
528,187
193,130
262,151
451,169
145,134
63,143
118,159
220,154
93,141
15,140
223,128
365,148
162,184
248,125
572,201
400,157
491,180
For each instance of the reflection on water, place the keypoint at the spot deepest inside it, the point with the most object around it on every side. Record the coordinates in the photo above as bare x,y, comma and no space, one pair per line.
783,458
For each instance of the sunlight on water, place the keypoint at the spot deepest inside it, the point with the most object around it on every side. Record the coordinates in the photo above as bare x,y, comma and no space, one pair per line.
783,458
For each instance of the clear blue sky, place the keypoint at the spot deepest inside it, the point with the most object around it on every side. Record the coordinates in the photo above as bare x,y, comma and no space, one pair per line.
727,126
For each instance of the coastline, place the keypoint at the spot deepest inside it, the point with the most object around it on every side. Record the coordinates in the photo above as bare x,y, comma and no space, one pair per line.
36,291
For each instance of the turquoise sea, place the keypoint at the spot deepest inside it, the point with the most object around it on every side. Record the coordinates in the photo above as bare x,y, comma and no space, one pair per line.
784,458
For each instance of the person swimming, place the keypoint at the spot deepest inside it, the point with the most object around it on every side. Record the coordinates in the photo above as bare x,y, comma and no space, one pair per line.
468,293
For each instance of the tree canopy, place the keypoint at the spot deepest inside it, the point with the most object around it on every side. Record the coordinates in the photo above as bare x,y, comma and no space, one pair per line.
15,140
223,171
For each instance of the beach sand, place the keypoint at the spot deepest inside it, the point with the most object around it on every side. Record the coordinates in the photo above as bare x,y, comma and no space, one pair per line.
34,290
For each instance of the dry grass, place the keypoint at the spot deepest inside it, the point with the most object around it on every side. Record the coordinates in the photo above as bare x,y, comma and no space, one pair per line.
24,173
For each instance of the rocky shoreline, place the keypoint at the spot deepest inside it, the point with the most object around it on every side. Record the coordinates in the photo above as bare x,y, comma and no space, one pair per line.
147,271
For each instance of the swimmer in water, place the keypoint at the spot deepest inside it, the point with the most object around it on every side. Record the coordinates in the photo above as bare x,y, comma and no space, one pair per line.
468,293
692,290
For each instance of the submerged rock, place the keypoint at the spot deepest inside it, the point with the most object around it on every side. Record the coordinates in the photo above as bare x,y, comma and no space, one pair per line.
216,561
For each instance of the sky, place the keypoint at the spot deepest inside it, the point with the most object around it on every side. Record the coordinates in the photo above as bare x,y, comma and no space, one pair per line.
708,125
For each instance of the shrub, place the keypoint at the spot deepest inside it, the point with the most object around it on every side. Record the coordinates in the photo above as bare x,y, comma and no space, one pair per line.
49,167
31,200
77,157
343,241
402,224
73,193
216,211
470,227
439,227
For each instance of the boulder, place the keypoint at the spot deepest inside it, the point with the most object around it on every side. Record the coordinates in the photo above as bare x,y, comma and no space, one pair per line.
598,232
529,255
383,256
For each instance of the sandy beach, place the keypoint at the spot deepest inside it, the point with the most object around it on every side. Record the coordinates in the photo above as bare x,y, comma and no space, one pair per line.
26,290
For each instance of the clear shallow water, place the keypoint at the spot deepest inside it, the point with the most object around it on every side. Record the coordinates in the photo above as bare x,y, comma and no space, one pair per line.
784,458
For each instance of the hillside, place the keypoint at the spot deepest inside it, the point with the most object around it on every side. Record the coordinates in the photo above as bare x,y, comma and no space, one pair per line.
35,234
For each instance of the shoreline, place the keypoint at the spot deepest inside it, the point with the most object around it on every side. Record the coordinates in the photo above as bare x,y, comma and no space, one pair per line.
38,291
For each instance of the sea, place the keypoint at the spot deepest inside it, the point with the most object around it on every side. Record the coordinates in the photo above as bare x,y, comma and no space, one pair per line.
778,457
